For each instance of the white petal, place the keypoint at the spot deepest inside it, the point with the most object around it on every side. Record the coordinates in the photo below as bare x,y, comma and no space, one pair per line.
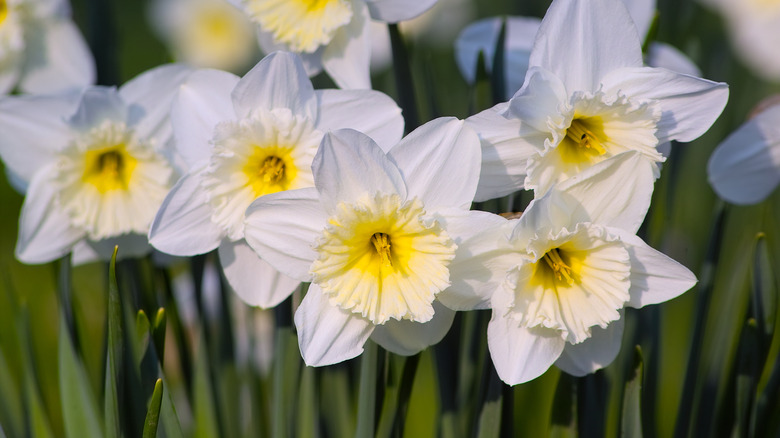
347,57
595,353
327,334
407,338
349,166
505,153
666,56
393,11
745,167
83,253
655,277
183,223
581,41
203,101
520,354
252,278
689,105
98,104
45,233
482,259
283,228
56,59
440,163
150,96
627,177
278,81
642,13
312,62
8,78
33,130
370,112
130,246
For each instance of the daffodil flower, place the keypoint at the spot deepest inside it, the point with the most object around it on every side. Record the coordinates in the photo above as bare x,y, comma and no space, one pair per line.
587,97
375,238
93,166
564,272
41,49
333,35
206,33
244,138
745,167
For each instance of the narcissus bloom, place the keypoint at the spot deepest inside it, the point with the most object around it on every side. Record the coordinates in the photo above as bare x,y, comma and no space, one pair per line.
745,167
329,34
244,138
375,238
206,33
41,49
587,97
92,164
572,263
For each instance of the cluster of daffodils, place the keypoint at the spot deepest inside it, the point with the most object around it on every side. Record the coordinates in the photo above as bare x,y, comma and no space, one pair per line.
290,184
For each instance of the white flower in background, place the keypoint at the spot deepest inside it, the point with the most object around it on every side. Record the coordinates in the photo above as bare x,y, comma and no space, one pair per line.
754,27
92,165
244,138
745,167
206,33
482,36
41,49
587,97
333,35
569,266
375,238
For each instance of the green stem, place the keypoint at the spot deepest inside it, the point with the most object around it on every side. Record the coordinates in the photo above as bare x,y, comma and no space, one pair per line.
403,79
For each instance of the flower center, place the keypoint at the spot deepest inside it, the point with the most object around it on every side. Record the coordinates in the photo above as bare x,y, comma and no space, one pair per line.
3,10
560,270
584,140
304,25
109,168
383,258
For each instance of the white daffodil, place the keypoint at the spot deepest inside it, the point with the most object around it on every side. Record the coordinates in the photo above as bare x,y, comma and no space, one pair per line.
92,165
587,97
564,272
41,49
333,35
482,36
745,167
244,138
754,28
375,238
206,33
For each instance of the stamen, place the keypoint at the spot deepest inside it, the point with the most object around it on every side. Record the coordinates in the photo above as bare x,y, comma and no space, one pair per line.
559,267
110,164
583,137
272,170
381,243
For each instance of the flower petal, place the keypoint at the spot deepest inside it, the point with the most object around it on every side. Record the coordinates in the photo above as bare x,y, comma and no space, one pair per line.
439,162
581,41
326,333
283,228
278,81
33,131
183,223
689,105
45,233
655,277
252,278
347,57
370,112
56,59
150,96
98,104
667,56
130,246
203,101
627,177
482,258
595,353
745,167
407,338
521,354
642,13
349,165
393,11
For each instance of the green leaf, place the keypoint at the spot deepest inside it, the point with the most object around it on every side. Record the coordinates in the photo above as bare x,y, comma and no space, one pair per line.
564,412
764,290
79,409
747,372
115,355
153,414
490,414
631,421
497,79
158,333
206,425
37,419
169,417
308,415
12,414
366,420
403,79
